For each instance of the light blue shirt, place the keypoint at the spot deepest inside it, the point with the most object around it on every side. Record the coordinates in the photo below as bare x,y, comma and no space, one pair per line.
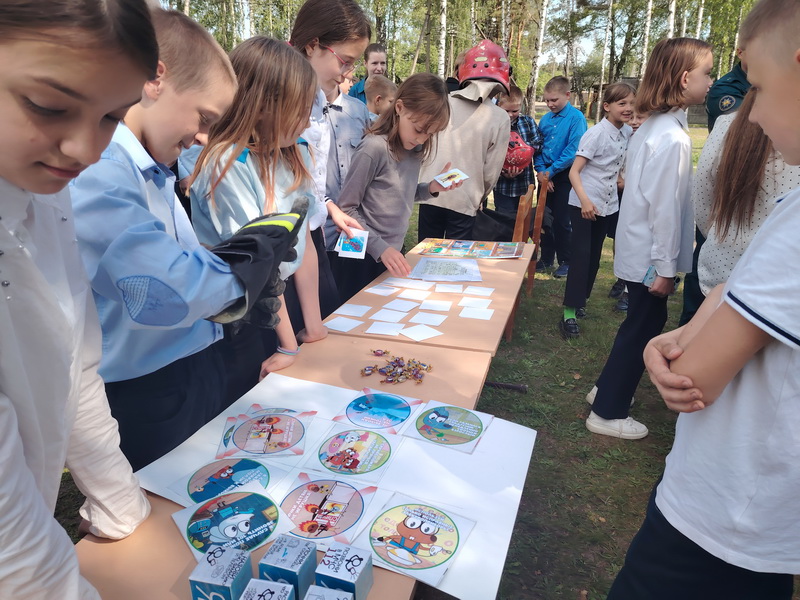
240,197
561,133
153,283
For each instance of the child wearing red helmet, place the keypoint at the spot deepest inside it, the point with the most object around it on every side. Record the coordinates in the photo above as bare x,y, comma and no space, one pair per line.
478,134
516,176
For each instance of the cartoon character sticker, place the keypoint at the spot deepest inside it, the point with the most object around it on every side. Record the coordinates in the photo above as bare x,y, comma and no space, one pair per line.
323,508
241,520
223,476
354,452
268,434
377,410
449,425
414,536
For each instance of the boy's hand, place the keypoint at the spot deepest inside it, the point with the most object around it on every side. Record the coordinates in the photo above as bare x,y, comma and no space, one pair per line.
511,173
676,390
395,262
342,220
276,362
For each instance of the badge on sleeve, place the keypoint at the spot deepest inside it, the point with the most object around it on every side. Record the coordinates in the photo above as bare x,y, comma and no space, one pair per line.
727,102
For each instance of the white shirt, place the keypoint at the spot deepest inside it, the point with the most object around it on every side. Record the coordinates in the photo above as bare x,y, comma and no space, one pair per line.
318,136
719,256
604,148
732,479
656,221
53,408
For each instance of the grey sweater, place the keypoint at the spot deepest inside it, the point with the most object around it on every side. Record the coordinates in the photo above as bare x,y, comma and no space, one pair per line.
380,192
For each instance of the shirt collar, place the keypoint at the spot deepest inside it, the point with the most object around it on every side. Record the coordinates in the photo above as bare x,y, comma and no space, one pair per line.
610,128
125,138
478,91
679,114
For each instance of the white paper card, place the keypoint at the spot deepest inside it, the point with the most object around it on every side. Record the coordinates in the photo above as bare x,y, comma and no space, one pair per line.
484,314
354,247
476,290
392,316
420,332
427,318
384,328
353,310
440,305
414,294
343,324
381,290
450,177
408,283
475,302
449,288
401,305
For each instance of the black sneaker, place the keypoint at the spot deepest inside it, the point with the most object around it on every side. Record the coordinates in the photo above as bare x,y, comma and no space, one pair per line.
543,267
622,303
617,289
580,312
561,271
569,329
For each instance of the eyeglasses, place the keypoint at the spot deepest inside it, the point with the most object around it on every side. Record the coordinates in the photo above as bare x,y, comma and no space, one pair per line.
345,67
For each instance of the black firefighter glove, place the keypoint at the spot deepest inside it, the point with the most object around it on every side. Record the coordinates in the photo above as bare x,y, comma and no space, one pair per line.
254,254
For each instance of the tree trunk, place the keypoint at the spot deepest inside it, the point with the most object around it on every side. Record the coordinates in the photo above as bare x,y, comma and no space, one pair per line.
530,93
419,41
699,19
603,60
186,6
671,19
646,43
442,38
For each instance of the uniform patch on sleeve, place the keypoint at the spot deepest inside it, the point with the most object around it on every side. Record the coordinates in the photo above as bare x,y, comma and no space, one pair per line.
152,302
727,102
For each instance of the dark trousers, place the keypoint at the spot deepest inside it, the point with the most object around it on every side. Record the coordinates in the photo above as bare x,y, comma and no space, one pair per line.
158,411
505,204
242,352
645,319
328,294
353,274
556,240
587,247
663,564
692,294
438,222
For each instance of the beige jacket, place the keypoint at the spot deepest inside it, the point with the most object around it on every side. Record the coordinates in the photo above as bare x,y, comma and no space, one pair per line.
475,141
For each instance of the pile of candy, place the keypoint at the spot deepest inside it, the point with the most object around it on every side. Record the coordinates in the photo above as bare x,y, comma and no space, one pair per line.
397,370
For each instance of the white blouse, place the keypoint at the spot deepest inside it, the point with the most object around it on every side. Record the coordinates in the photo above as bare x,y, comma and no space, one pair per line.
53,407
719,256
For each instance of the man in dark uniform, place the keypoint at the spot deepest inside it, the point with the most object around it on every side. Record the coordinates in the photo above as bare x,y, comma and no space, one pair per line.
723,98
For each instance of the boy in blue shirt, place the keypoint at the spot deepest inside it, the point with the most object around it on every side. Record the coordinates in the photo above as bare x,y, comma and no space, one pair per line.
562,129
154,284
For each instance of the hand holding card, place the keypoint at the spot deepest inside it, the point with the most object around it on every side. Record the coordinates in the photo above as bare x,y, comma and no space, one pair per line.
449,179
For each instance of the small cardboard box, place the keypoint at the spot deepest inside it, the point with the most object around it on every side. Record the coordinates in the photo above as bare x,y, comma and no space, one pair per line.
258,589
290,560
221,573
316,592
346,568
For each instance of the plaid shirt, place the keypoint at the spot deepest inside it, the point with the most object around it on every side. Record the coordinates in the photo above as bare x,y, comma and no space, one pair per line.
526,127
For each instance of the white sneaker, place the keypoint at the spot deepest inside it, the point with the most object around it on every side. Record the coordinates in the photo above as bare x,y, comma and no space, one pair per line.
626,429
590,396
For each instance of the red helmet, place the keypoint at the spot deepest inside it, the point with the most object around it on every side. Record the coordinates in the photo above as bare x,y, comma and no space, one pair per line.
519,154
487,60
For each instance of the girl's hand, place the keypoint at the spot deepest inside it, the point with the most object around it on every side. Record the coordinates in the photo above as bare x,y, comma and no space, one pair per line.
395,262
588,211
678,391
342,220
662,286
276,362
434,187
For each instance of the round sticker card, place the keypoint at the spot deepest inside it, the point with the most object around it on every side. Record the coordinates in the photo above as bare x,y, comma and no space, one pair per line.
323,508
378,411
354,452
449,425
414,536
268,434
224,476
241,520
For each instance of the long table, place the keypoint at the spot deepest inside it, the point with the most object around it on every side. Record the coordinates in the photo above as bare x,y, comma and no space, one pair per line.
504,275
